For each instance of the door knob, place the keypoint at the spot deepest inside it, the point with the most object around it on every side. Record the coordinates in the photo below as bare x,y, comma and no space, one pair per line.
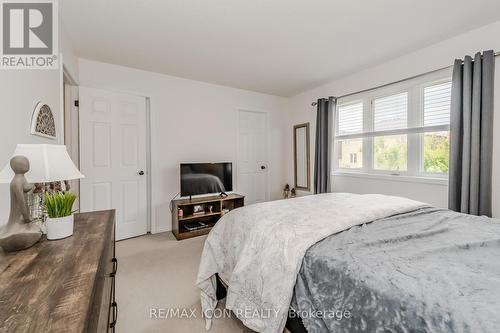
141,173
263,167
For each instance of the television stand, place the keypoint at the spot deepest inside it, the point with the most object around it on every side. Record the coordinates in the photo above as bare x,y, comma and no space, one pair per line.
213,208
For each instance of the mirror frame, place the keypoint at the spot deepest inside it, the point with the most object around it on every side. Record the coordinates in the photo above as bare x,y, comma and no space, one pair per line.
308,145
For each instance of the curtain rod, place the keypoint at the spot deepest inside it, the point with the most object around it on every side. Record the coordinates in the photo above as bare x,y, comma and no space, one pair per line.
496,54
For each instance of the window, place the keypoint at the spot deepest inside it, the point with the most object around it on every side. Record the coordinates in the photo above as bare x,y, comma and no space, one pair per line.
390,151
436,148
350,122
391,112
398,130
437,103
350,119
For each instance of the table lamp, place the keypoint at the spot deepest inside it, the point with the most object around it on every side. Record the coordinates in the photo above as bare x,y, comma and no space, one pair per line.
31,163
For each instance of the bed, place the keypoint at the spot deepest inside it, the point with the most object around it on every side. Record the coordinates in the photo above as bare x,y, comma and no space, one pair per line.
355,263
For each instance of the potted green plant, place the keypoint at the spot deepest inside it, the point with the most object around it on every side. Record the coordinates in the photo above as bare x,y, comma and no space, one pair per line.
59,214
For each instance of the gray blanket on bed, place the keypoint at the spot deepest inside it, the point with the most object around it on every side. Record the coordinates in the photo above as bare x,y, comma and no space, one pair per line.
432,270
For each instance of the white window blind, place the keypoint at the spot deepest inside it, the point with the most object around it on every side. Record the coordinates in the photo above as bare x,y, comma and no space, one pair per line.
350,119
391,112
437,103
405,131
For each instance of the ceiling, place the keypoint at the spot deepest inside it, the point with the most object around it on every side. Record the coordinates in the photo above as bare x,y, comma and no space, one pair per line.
271,46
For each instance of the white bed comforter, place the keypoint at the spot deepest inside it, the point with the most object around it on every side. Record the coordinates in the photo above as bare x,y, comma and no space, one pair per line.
258,250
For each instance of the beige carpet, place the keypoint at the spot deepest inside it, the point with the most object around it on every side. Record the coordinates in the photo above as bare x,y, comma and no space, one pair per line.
159,272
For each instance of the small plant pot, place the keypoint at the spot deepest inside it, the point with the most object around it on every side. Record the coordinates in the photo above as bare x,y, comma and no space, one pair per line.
60,227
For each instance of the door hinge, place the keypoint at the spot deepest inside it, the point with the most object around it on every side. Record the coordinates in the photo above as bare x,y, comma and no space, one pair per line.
77,103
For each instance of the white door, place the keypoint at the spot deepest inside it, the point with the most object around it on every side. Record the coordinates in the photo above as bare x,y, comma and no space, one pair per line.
252,156
113,158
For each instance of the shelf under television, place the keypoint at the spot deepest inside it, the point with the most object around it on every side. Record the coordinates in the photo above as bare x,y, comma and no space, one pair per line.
184,234
218,203
190,234
197,216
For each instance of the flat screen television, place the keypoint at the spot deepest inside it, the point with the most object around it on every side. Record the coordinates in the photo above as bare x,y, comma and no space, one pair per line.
206,178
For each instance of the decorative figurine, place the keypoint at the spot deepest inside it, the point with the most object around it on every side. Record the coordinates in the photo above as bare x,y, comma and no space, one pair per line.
19,233
293,193
286,191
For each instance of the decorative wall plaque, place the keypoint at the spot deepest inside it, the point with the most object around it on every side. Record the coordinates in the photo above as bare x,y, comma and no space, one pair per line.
43,123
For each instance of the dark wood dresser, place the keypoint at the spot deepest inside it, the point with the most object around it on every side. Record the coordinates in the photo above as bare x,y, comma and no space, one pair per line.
66,285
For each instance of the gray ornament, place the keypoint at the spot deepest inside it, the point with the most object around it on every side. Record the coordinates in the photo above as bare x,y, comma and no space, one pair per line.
20,232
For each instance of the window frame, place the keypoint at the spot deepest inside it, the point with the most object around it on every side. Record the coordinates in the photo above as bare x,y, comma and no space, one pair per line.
415,130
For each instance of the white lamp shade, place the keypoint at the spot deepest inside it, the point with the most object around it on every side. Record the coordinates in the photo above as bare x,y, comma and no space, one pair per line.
48,163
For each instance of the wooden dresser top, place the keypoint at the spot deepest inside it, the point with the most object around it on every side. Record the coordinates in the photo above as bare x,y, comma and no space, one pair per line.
49,287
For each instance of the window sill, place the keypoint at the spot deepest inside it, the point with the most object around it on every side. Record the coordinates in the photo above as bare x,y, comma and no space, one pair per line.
403,178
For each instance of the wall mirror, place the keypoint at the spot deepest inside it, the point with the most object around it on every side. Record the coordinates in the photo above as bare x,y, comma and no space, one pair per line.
301,156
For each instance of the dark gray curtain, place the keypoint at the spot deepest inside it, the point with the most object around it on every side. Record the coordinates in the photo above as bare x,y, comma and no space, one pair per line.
323,147
471,135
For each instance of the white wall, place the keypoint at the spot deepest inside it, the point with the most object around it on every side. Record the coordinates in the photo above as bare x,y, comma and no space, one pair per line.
181,109
191,121
70,59
20,91
430,58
